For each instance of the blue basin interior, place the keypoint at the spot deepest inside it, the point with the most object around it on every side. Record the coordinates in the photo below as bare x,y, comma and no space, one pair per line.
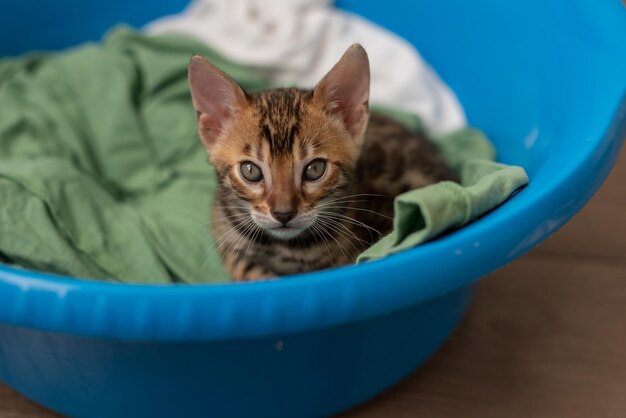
544,79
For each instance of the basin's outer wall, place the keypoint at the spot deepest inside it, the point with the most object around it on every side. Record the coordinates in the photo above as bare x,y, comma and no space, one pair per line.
305,375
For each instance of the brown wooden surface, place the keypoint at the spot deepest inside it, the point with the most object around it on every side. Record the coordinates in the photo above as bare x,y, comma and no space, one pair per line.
545,337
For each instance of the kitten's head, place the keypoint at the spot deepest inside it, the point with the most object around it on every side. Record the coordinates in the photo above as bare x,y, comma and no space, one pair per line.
283,155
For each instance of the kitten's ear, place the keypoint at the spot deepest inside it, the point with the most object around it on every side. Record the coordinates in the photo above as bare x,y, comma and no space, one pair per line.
216,98
344,91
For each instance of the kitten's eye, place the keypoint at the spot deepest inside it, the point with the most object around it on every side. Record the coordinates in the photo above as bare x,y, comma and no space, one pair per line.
314,170
251,171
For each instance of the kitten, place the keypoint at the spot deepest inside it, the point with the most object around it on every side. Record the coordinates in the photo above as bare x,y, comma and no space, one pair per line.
304,182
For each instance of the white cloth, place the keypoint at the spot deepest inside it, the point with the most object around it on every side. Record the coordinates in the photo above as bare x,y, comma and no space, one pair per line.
295,42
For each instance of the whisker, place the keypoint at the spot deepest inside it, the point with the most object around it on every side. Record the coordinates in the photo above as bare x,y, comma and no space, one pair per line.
229,207
241,237
350,220
342,199
361,209
236,241
341,247
330,254
324,204
334,225
217,245
363,194
221,227
338,223
251,240
221,218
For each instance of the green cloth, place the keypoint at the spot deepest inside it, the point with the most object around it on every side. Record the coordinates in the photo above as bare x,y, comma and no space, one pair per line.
102,175
422,214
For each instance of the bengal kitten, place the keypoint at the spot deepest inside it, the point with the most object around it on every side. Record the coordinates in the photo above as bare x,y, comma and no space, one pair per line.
304,182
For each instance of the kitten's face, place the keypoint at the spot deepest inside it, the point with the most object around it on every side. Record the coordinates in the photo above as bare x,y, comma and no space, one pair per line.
283,155
283,160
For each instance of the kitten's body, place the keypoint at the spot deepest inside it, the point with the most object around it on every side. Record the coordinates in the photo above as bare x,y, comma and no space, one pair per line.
284,221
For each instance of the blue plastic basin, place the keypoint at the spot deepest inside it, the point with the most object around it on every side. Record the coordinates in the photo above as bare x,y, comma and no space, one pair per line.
545,79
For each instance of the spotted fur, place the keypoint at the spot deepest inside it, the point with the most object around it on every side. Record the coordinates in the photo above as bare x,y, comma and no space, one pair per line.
369,160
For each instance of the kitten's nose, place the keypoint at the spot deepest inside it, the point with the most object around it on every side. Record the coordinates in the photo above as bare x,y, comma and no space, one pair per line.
284,216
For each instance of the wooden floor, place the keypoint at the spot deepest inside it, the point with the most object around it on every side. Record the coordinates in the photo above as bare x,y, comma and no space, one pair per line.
545,337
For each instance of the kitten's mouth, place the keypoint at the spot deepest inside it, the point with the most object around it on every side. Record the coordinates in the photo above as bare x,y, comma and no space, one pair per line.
280,231
285,231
